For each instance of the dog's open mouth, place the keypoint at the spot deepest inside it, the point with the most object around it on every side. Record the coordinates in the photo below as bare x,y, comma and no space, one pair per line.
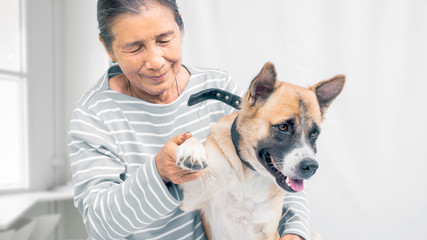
286,183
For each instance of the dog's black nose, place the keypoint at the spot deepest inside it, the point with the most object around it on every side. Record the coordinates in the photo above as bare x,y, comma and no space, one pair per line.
308,167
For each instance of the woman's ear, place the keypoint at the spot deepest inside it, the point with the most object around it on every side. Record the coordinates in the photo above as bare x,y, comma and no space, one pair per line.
112,56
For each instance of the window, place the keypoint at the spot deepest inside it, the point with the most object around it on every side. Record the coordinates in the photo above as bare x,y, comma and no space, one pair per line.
12,96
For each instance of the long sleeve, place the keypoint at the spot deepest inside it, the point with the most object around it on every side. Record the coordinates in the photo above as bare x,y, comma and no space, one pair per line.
295,216
112,208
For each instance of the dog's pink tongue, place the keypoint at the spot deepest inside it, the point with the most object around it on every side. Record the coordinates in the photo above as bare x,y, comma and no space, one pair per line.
296,184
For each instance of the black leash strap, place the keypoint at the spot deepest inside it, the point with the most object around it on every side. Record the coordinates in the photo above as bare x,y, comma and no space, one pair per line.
217,94
229,99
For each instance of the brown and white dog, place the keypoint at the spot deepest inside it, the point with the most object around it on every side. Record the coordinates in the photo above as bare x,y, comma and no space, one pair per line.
255,155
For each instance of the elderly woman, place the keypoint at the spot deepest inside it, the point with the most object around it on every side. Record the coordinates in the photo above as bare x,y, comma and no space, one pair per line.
125,129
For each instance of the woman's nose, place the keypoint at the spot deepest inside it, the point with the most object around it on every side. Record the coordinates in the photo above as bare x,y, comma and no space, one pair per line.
154,59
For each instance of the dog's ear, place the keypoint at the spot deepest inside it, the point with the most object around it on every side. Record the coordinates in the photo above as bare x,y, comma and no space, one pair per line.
326,91
263,84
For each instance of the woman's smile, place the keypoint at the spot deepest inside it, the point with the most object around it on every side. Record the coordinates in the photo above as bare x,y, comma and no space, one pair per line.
157,78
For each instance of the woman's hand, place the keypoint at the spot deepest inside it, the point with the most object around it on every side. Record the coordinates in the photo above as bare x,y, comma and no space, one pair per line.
291,237
166,162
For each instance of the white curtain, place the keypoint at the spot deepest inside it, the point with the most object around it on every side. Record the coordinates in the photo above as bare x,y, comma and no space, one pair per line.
372,151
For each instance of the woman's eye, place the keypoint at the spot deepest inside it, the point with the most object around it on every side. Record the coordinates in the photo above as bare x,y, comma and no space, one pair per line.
164,41
283,127
136,50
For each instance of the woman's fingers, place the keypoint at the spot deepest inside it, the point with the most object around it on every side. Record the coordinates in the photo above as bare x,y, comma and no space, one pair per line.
180,138
166,162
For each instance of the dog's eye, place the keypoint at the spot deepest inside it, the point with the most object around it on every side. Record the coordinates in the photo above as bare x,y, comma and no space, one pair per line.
314,134
283,127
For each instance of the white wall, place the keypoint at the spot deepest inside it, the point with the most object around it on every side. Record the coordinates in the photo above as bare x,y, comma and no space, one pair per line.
370,184
84,57
83,60
40,88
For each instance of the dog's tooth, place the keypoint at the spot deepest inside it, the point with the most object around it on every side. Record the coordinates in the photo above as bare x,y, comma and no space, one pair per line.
287,182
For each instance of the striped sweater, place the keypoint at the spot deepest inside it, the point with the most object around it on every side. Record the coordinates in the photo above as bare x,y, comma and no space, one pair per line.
113,140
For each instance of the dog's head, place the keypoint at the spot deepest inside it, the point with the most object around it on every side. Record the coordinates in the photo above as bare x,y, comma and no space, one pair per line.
279,124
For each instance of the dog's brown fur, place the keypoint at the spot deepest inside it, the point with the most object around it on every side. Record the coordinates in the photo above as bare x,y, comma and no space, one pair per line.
267,104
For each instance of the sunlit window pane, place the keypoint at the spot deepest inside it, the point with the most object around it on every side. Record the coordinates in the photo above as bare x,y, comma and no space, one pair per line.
10,40
11,142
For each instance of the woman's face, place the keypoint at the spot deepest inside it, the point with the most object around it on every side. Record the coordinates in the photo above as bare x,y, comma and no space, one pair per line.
147,47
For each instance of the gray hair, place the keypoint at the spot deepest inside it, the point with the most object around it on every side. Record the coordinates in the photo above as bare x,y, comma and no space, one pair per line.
109,10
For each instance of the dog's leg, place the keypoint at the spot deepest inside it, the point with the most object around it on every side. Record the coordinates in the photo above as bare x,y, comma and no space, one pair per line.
191,156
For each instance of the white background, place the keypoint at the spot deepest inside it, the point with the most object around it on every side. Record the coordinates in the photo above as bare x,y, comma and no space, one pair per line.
371,182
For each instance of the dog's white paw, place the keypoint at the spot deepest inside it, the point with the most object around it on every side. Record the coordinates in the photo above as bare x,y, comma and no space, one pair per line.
191,155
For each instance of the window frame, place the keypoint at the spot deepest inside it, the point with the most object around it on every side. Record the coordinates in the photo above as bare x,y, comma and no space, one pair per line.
43,96
20,77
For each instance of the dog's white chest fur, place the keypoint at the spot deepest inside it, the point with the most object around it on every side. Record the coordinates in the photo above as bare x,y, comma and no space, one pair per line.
235,208
241,213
